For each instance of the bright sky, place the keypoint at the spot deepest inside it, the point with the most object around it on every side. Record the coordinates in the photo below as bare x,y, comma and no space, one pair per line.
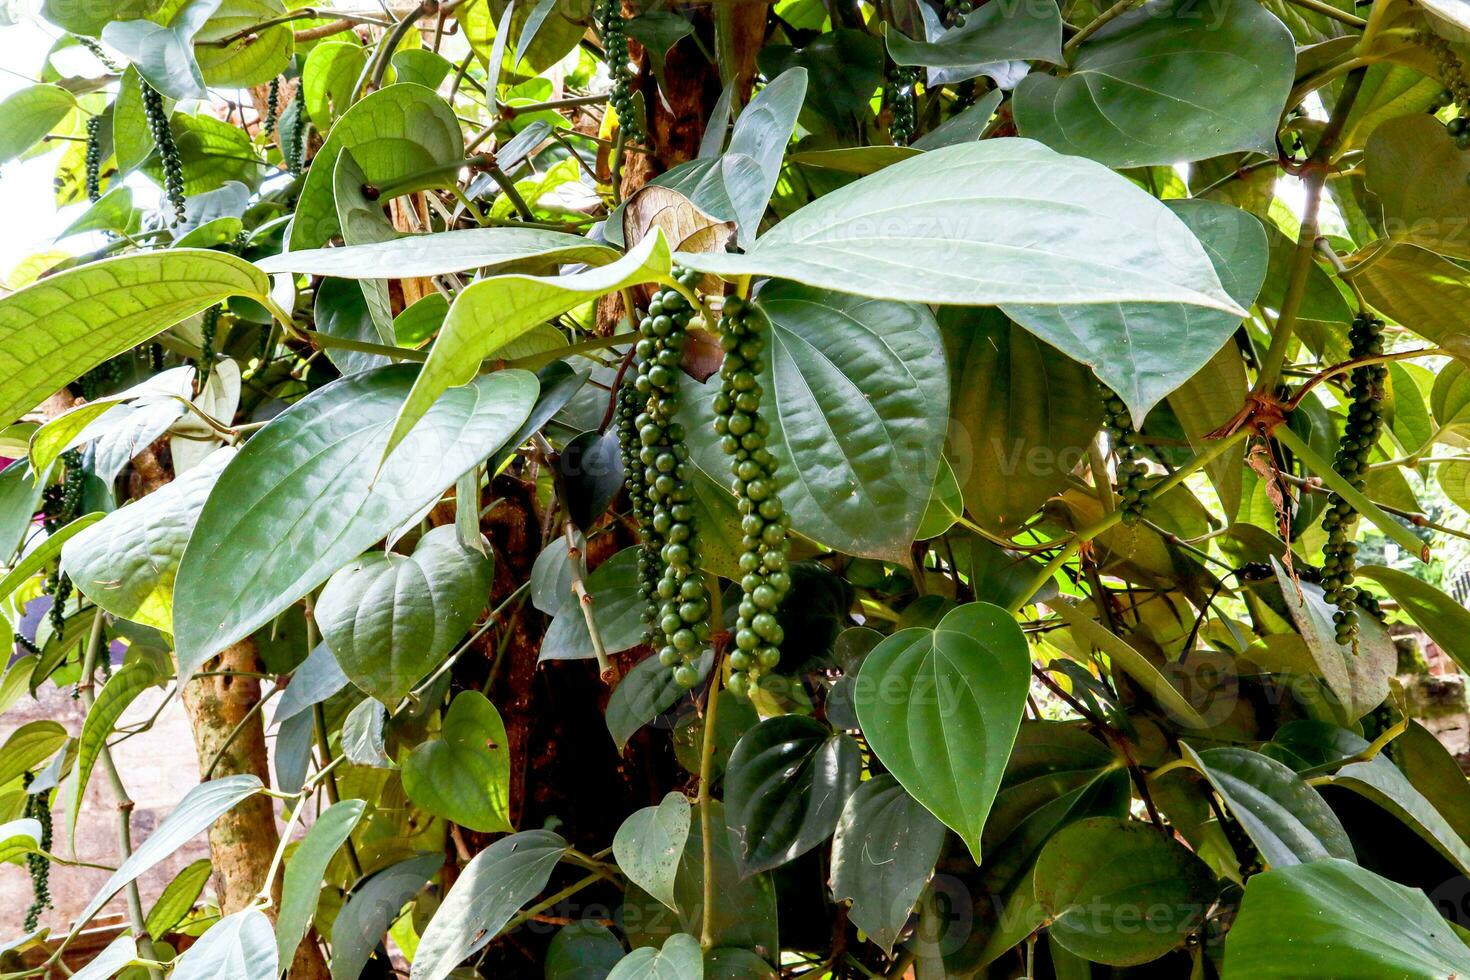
30,219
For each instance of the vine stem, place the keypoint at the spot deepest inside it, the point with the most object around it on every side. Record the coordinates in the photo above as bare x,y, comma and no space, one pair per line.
1315,178
1339,484
1086,533
706,818
120,795
1342,367
605,666
1102,20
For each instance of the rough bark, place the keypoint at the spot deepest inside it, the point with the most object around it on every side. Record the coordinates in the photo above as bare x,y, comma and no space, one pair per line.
242,842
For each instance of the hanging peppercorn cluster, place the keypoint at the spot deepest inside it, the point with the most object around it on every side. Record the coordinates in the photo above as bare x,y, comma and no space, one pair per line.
38,808
168,150
1132,471
615,52
92,45
60,505
272,107
207,330
681,628
94,157
902,103
765,544
1360,435
628,410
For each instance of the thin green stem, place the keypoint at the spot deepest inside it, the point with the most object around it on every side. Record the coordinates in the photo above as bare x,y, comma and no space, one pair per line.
706,817
1339,484
1098,23
120,795
1306,243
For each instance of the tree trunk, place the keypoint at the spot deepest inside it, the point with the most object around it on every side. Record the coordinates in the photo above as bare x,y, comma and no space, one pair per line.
243,841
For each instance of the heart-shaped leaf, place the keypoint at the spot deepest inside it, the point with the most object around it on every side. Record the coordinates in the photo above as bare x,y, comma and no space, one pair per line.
255,58
1104,881
240,946
328,79
882,856
164,55
977,224
497,882
464,775
394,132
1165,84
1411,163
882,394
991,33
650,843
679,959
785,786
940,707
303,497
390,619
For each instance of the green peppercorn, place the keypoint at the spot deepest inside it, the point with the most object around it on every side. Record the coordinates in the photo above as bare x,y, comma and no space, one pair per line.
168,150
1354,452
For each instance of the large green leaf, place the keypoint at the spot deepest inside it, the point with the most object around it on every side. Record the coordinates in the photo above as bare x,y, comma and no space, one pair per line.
1356,674
1120,892
1287,819
28,746
736,185
121,689
1022,415
90,18
199,808
489,313
1419,176
1380,781
302,885
164,53
126,562
114,957
392,133
304,496
178,898
371,908
328,79
941,707
1343,920
254,59
1162,86
1445,620
582,950
882,856
28,115
618,608
1144,351
643,695
856,425
650,843
991,33
54,330
441,252
993,222
390,619
241,946
464,775
679,959
785,786
1425,292
497,882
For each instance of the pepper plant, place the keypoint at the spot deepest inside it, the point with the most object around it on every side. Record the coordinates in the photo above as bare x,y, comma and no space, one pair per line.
813,488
